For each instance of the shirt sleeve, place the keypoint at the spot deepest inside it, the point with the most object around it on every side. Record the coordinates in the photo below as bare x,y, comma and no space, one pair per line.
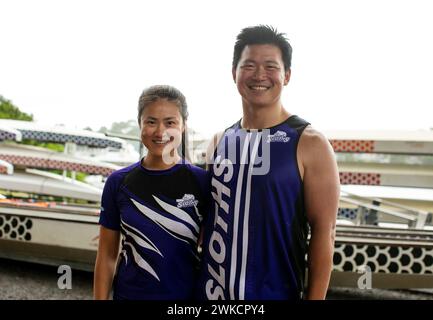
109,216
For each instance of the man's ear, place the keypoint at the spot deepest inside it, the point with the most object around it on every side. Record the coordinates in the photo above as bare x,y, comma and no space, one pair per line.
287,75
234,74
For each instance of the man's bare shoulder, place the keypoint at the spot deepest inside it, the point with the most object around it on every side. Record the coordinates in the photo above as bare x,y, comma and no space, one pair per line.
313,145
312,138
213,143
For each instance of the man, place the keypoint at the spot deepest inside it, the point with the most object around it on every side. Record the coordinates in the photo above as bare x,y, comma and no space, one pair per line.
273,177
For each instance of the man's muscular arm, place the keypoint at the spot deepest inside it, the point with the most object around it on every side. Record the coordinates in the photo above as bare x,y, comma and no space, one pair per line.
321,189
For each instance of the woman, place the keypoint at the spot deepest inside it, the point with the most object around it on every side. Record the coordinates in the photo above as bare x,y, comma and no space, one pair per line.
156,207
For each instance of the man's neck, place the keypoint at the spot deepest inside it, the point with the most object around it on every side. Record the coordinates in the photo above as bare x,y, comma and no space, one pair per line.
263,117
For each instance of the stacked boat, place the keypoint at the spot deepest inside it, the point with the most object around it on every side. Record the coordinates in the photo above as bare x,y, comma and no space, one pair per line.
46,216
385,215
384,221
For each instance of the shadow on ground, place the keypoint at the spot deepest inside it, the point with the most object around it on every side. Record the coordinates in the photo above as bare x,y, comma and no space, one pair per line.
29,281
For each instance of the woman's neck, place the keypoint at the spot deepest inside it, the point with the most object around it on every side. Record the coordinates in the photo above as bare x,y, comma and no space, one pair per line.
153,162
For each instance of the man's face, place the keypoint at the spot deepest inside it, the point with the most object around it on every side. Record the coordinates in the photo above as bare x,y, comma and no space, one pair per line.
260,75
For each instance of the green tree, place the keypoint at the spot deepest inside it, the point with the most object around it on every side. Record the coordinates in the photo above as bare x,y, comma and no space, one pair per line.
129,128
9,111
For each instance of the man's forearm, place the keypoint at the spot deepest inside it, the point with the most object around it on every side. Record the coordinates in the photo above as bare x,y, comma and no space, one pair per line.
320,257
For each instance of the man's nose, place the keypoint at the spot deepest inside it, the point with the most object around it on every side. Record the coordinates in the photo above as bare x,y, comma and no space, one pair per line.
259,73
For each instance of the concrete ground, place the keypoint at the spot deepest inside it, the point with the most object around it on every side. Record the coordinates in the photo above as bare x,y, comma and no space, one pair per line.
28,281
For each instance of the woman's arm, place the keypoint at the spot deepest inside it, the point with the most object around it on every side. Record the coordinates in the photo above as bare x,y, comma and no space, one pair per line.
105,266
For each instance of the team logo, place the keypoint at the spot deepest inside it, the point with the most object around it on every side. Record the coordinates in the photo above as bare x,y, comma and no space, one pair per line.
188,200
278,136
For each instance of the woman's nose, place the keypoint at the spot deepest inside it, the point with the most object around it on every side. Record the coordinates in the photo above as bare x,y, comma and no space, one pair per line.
159,130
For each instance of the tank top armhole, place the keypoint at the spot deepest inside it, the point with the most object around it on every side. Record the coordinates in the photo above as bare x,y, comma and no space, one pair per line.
299,125
300,131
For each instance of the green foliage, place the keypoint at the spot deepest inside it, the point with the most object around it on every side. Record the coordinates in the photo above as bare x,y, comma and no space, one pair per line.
79,176
9,111
49,145
129,127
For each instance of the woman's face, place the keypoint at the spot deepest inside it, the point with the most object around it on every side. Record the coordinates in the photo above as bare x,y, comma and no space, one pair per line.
161,128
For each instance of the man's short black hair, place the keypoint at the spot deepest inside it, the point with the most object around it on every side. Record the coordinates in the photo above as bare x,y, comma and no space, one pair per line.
262,34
